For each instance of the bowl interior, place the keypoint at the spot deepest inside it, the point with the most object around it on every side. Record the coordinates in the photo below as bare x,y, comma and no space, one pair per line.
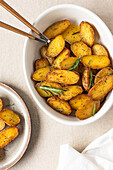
31,52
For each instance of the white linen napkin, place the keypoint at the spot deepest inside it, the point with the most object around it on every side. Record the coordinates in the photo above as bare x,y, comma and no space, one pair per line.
96,156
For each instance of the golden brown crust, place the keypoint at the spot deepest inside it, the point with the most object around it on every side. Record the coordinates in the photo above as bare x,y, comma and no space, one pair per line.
41,63
1,104
86,79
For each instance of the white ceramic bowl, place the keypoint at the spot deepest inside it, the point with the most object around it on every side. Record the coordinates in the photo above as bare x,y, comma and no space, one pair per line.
31,52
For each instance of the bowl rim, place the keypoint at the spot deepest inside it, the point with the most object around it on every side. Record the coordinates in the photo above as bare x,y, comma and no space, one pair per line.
60,120
29,126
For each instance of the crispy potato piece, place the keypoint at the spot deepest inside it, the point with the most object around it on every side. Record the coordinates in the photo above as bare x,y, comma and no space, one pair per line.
78,101
63,55
86,79
56,46
71,91
43,53
72,33
56,29
95,61
101,88
1,104
59,105
47,84
40,74
8,135
9,117
67,63
63,77
80,49
87,33
2,124
86,110
98,49
102,73
41,63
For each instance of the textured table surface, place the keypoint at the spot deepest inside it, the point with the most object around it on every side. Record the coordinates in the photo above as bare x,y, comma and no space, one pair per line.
47,134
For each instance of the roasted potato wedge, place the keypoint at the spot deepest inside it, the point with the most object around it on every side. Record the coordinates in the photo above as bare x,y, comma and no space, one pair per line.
9,117
95,61
44,54
78,101
56,29
2,124
40,74
1,104
41,63
8,135
98,49
72,33
101,88
102,73
86,79
56,46
80,49
70,91
59,105
63,77
67,63
47,84
87,33
63,55
86,110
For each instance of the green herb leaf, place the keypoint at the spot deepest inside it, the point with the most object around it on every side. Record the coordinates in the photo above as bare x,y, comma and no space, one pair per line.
61,110
89,62
75,64
76,33
94,110
39,84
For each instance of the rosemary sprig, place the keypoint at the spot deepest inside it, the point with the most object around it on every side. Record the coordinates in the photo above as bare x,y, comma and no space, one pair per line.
76,33
75,64
94,110
91,76
61,110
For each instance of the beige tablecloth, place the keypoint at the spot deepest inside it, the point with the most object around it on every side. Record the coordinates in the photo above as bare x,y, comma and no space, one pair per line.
47,134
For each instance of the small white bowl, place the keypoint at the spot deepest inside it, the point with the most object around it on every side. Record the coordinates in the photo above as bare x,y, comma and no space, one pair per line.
31,52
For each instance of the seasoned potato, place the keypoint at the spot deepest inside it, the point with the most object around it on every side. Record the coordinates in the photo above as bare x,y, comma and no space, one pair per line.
56,46
67,63
40,74
63,77
63,55
98,49
95,61
9,117
56,29
86,79
47,84
70,91
86,110
78,101
80,49
59,105
102,73
44,54
2,124
87,33
1,104
8,135
40,63
101,88
72,33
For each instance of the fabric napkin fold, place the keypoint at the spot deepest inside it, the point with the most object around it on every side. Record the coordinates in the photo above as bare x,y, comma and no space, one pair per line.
96,156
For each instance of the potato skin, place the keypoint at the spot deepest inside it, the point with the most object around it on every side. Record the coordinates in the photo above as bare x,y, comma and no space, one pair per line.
67,63
57,103
2,124
9,117
86,79
56,29
95,61
1,104
86,110
80,49
78,101
87,33
98,49
101,88
8,135
41,63
62,77
102,73
71,91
